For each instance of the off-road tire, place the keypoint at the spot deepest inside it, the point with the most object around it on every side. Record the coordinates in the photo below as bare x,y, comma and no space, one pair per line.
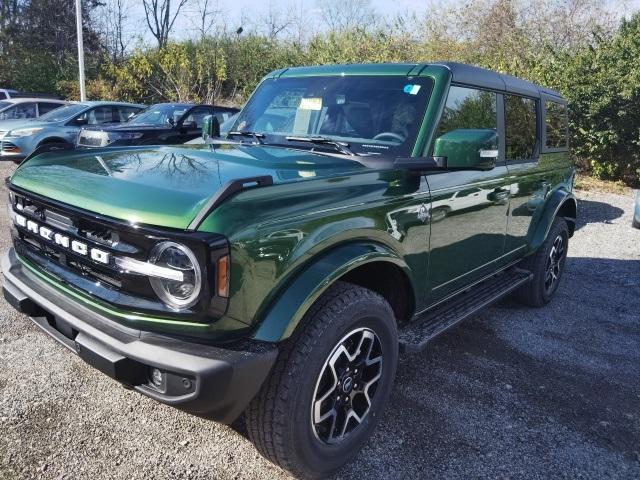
536,293
279,420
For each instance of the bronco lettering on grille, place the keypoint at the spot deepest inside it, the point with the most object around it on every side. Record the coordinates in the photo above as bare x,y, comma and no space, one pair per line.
63,241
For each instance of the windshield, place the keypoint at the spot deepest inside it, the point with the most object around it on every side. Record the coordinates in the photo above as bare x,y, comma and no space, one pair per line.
160,115
374,115
63,113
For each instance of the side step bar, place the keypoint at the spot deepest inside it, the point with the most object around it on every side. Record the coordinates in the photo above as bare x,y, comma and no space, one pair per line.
415,336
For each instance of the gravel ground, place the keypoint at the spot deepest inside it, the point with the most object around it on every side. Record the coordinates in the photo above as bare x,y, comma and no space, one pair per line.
516,393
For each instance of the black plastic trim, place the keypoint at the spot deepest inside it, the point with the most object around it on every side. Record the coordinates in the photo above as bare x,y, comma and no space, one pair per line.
218,382
228,189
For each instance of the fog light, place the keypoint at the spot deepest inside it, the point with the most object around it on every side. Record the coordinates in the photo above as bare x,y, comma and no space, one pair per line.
157,377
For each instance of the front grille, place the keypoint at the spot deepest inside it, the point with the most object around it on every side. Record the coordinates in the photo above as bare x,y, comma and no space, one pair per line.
10,147
39,227
92,139
73,229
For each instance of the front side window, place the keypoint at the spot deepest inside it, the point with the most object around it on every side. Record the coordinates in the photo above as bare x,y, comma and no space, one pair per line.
63,113
520,127
101,115
160,115
556,125
197,115
467,134
96,116
374,115
125,113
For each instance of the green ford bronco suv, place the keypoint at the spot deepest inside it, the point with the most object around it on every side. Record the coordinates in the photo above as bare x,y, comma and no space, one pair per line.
352,213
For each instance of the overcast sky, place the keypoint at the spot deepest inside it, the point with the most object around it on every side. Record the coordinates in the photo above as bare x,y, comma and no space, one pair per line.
235,10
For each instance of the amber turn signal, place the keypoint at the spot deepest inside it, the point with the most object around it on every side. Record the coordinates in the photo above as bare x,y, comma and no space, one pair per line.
222,282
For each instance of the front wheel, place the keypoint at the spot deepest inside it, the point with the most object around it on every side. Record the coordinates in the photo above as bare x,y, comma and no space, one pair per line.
547,266
330,384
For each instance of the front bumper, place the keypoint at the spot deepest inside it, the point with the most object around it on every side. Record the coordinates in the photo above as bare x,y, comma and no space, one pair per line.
15,148
201,379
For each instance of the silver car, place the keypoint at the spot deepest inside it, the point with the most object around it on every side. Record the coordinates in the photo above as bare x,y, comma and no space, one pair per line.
24,108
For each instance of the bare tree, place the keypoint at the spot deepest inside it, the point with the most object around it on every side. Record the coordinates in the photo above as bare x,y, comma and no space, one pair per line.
113,22
341,15
276,20
206,16
160,18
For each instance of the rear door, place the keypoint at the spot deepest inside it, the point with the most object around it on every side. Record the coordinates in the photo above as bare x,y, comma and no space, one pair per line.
536,149
469,207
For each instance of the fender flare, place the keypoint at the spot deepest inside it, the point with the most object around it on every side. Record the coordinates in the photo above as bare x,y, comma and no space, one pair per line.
542,221
296,296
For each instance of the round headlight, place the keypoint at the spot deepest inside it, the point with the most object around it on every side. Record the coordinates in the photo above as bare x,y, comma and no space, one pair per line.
176,293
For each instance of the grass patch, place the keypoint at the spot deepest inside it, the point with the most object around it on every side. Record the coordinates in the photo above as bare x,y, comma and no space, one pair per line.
591,184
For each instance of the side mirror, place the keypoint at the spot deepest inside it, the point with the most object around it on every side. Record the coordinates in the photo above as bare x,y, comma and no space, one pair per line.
210,127
468,148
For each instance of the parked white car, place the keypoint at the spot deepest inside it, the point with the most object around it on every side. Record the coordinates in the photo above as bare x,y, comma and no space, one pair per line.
7,93
26,108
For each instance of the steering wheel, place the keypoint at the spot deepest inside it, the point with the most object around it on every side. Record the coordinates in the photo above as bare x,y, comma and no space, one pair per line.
391,135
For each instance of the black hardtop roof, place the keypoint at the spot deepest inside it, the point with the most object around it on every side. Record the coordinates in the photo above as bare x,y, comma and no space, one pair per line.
481,77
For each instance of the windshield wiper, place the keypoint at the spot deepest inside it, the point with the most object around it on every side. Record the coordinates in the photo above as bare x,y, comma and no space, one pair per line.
246,133
342,147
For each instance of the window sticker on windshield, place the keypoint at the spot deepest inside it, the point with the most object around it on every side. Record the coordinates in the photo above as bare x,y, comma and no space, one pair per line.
411,89
311,103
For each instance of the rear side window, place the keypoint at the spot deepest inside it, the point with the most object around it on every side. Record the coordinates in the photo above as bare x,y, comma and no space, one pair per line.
45,107
520,127
20,111
556,125
3,95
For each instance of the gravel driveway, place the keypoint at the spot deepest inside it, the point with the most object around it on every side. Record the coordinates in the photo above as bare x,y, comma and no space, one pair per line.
516,393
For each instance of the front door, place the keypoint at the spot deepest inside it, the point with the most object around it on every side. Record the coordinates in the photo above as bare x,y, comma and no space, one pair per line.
469,207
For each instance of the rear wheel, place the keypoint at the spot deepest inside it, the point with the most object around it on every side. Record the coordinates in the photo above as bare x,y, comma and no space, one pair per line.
330,384
547,266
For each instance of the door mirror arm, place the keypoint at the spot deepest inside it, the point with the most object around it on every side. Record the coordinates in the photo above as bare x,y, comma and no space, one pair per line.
421,163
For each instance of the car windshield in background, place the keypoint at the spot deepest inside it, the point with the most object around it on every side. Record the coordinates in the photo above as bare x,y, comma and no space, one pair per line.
374,115
159,115
63,113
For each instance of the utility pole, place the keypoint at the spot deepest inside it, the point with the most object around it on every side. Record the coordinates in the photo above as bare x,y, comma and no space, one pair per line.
83,95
